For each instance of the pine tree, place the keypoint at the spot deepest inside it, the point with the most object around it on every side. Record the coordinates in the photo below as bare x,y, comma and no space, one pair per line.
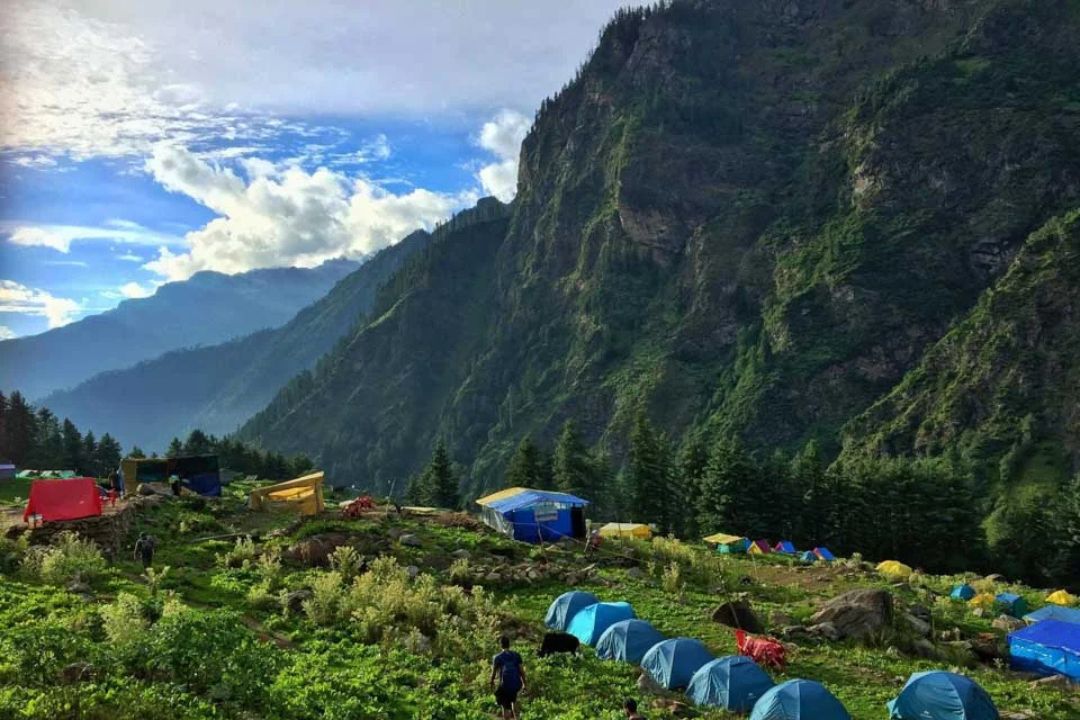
176,448
108,454
3,427
687,482
19,429
572,470
136,452
808,487
647,476
73,446
438,483
198,443
525,469
89,456
48,449
726,490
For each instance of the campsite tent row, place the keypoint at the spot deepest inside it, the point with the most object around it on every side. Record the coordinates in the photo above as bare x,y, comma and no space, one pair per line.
1006,603
28,474
737,544
736,683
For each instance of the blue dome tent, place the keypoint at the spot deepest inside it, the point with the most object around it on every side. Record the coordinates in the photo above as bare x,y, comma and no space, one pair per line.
1012,604
590,622
962,592
799,700
672,663
566,606
627,640
938,695
734,683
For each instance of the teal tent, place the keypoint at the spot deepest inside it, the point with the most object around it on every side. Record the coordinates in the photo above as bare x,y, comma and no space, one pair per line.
563,609
590,622
672,663
799,700
963,592
1012,604
734,683
627,640
938,695
808,557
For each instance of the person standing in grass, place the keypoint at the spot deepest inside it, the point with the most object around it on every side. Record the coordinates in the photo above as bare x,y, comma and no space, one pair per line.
144,550
509,669
630,706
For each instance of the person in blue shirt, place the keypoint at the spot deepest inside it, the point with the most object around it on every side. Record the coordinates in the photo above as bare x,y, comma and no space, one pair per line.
509,669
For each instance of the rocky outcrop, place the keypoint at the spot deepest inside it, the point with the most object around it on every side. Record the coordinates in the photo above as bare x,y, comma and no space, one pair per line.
855,614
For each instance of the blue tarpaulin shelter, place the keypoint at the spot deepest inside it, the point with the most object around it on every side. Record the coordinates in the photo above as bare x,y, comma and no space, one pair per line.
785,546
938,695
1054,612
566,606
627,640
799,700
963,592
590,622
1012,604
534,515
1050,647
734,683
672,663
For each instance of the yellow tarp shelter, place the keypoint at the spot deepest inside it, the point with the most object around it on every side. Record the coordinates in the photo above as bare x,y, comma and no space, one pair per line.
639,531
500,495
895,570
304,493
723,539
1061,597
984,600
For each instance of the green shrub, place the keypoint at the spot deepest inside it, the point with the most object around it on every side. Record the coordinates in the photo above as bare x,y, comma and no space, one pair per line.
347,561
242,554
124,620
68,558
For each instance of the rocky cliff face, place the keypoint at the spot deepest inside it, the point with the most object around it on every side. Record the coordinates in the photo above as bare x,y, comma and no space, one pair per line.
748,217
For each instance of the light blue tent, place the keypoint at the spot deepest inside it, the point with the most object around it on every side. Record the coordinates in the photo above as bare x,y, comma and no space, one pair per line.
808,557
799,700
672,663
1012,604
566,606
590,622
627,640
938,695
963,592
1054,612
734,683
1050,647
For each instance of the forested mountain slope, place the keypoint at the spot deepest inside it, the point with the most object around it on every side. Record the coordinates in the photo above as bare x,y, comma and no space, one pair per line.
216,388
749,218
210,307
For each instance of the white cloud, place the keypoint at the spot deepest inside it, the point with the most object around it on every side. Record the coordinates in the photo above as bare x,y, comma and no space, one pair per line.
19,299
278,215
134,290
6,333
60,237
131,257
502,136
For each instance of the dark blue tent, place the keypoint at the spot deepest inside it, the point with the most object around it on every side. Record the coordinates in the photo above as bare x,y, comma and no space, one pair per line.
208,484
1012,604
734,683
562,611
799,700
590,622
1054,612
824,554
785,546
808,557
672,663
534,515
938,695
1050,647
627,640
963,592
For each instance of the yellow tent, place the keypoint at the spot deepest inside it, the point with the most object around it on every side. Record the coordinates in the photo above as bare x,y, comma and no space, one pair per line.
723,539
304,493
1061,597
639,531
894,570
984,600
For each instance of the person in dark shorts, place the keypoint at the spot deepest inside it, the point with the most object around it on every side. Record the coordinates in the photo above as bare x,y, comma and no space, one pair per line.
144,550
509,669
630,706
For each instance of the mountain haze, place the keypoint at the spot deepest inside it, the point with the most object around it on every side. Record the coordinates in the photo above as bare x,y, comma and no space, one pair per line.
218,387
749,218
210,307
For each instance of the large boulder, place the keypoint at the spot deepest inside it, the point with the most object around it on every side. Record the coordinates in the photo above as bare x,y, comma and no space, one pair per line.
857,613
738,614
315,551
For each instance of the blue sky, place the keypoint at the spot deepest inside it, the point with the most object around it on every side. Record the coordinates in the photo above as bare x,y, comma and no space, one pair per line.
149,141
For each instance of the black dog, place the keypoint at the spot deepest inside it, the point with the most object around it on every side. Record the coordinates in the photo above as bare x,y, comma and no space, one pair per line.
558,643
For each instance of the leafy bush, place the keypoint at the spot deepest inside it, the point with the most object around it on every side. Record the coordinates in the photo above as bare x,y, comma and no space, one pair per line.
261,596
347,561
68,558
124,620
242,554
672,581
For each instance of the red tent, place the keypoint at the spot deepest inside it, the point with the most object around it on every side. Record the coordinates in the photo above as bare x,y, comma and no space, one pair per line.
63,499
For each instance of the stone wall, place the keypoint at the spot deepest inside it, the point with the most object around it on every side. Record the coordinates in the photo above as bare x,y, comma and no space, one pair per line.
109,531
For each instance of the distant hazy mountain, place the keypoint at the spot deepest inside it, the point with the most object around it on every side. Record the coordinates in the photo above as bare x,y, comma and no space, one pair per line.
217,387
209,307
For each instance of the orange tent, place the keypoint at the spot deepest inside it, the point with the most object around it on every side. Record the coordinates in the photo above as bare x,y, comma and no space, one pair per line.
63,499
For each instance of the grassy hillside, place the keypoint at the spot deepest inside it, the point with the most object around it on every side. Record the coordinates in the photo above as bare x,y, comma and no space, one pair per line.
209,638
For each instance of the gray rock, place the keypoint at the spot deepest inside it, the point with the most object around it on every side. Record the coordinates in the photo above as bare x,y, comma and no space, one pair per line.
635,572
1007,623
409,540
826,631
924,648
461,554
294,601
78,587
917,625
857,613
493,577
412,571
